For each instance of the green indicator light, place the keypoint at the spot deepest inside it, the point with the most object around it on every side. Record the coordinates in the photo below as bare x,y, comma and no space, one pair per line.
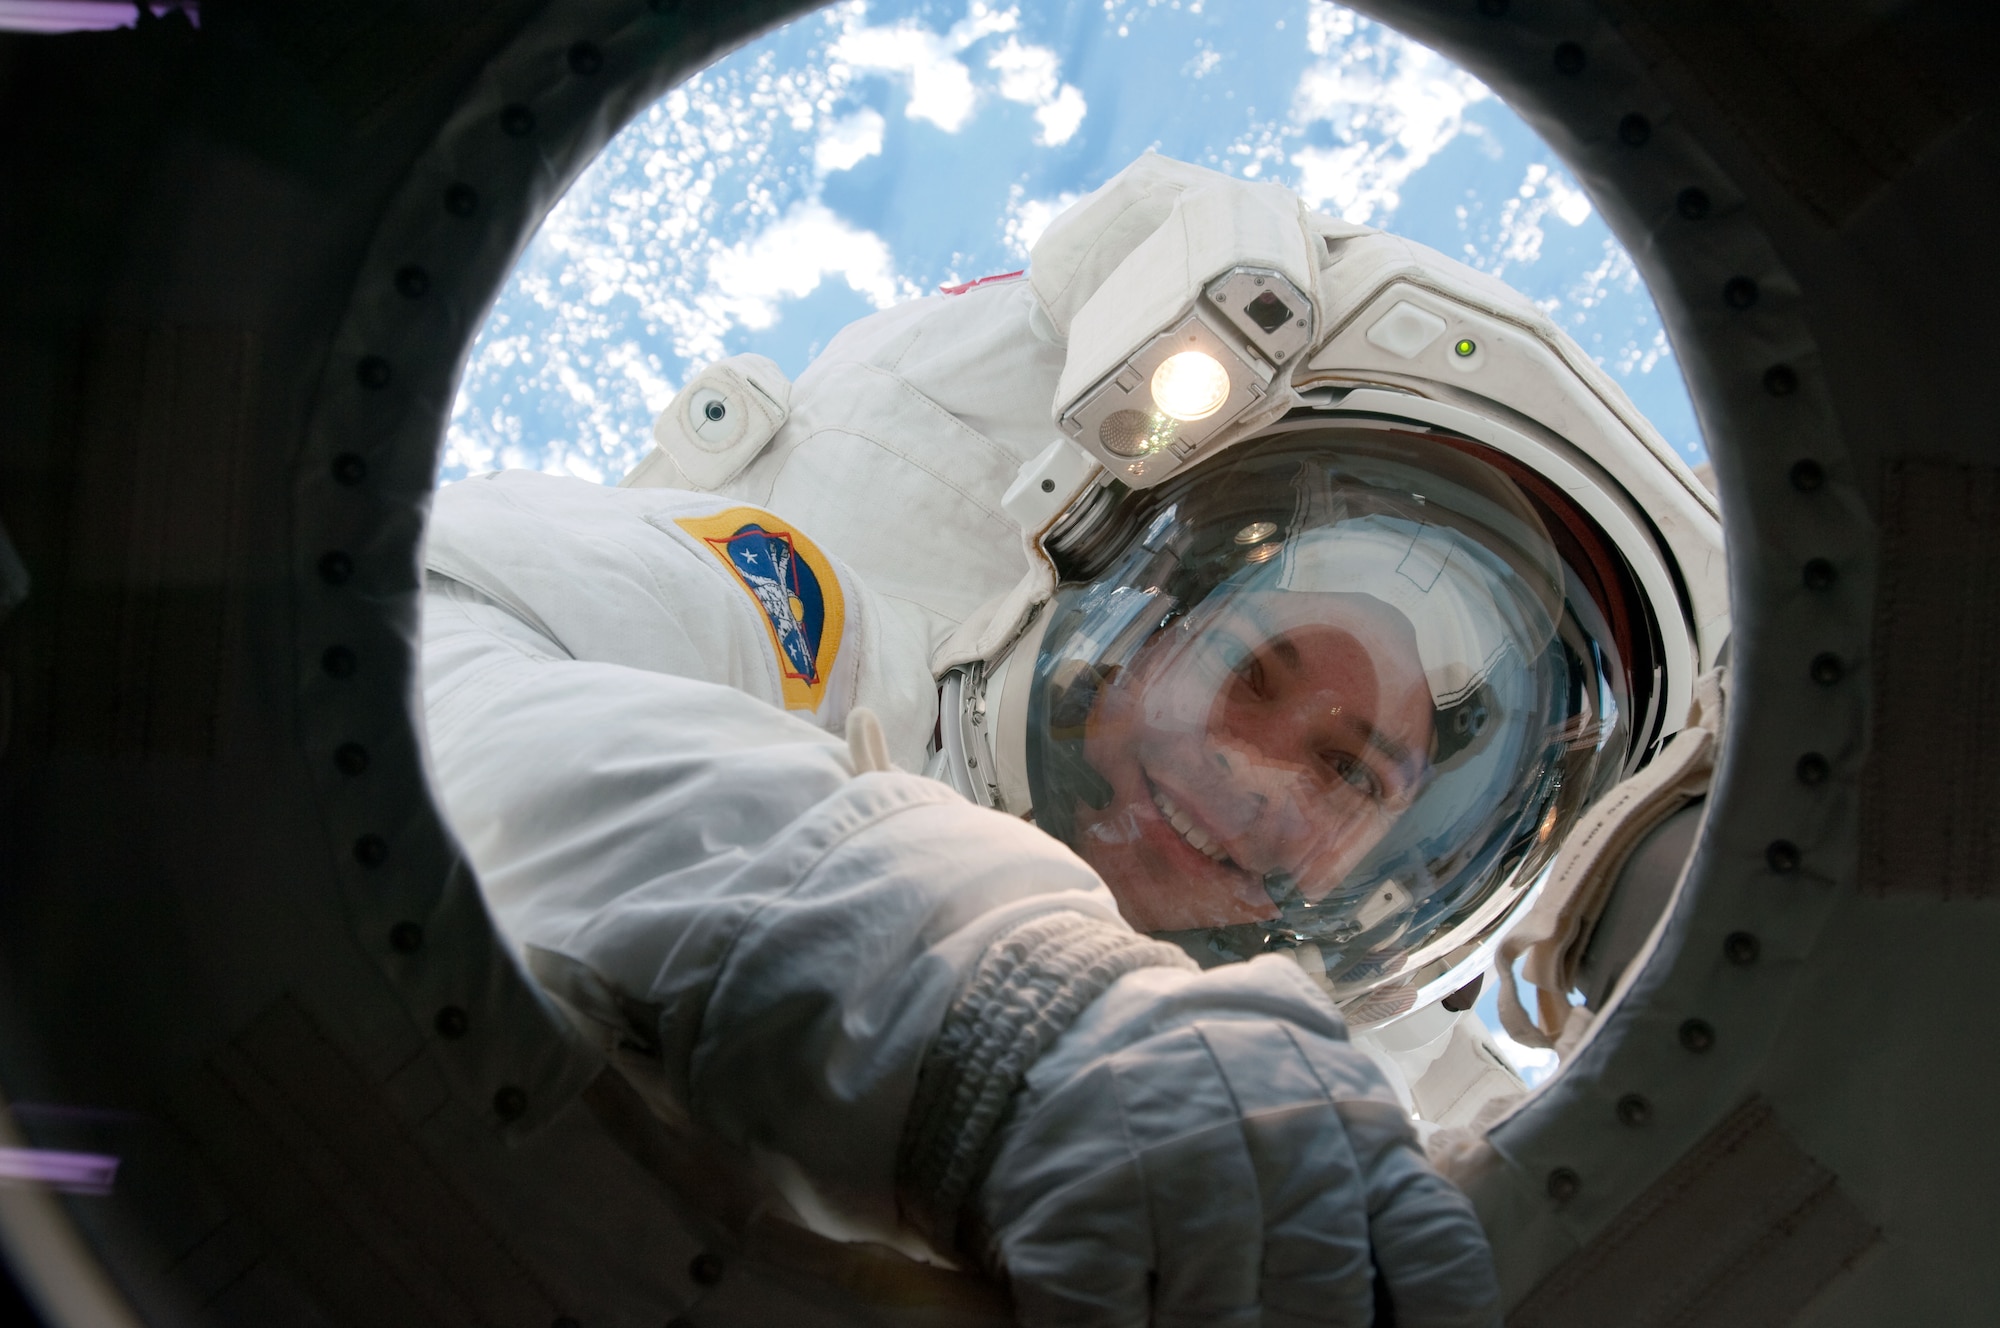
1465,347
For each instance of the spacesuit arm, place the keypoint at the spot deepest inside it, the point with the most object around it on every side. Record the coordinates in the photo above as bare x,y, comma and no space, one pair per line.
780,939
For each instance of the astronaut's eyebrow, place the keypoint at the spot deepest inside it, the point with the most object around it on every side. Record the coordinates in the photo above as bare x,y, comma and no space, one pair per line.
1287,653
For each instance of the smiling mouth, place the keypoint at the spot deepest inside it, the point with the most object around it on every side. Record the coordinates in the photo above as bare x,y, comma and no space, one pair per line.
1183,825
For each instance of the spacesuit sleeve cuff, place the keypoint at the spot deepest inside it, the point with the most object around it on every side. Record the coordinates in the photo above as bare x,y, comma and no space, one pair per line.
1027,989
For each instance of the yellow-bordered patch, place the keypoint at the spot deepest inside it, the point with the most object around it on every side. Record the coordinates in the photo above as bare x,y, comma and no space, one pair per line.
793,586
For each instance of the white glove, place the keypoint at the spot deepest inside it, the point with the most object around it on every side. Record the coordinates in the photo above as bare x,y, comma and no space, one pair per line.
1208,1149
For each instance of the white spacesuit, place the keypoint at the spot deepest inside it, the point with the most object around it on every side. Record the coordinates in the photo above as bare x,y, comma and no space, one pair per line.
1314,663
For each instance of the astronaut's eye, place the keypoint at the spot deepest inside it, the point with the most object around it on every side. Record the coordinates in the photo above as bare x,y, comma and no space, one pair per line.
1268,311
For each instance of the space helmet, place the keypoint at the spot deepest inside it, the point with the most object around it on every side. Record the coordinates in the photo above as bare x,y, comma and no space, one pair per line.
1341,691
1332,663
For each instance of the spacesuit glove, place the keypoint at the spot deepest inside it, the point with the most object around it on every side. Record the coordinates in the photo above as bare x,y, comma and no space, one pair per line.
1208,1149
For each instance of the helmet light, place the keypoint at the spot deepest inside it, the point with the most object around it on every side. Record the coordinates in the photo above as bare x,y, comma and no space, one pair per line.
1190,385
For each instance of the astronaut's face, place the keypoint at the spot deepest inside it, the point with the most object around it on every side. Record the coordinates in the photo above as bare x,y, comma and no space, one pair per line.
1277,732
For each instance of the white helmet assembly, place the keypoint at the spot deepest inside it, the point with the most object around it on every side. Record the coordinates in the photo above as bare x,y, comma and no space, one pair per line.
1368,582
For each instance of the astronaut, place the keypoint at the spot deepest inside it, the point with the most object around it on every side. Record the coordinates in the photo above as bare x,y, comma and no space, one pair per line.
1263,600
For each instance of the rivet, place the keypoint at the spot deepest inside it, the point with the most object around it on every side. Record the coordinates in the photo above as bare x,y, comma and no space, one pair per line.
335,567
413,282
1635,130
452,1022
406,938
350,758
1563,1184
349,468
1826,668
1780,380
1493,8
338,661
1813,769
585,59
1740,947
1817,574
373,372
461,200
1692,203
510,1103
517,121
1739,292
705,1270
1782,856
1634,1110
1808,476
371,850
1696,1035
1048,486
1569,59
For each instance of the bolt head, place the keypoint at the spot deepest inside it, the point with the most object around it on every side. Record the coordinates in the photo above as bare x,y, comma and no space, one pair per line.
517,121
1634,1111
705,1270
1692,203
351,758
412,282
1740,947
349,468
1635,130
406,938
1739,293
1813,769
1563,1184
1782,856
1826,669
461,200
335,567
452,1022
371,850
1780,380
510,1103
373,372
585,59
1697,1036
1818,574
1808,476
339,662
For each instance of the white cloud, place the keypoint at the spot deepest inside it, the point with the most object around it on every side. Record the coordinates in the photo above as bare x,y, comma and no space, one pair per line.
849,140
1027,73
1390,104
941,89
747,281
1568,202
1061,118
1031,75
1027,218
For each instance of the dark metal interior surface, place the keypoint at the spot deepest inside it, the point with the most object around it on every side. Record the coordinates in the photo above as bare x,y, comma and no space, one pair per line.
239,951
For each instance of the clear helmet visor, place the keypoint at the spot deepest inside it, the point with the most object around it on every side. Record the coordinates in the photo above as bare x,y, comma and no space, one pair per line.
1341,688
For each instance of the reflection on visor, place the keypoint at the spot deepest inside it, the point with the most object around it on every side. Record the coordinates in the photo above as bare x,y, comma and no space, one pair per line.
1339,691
